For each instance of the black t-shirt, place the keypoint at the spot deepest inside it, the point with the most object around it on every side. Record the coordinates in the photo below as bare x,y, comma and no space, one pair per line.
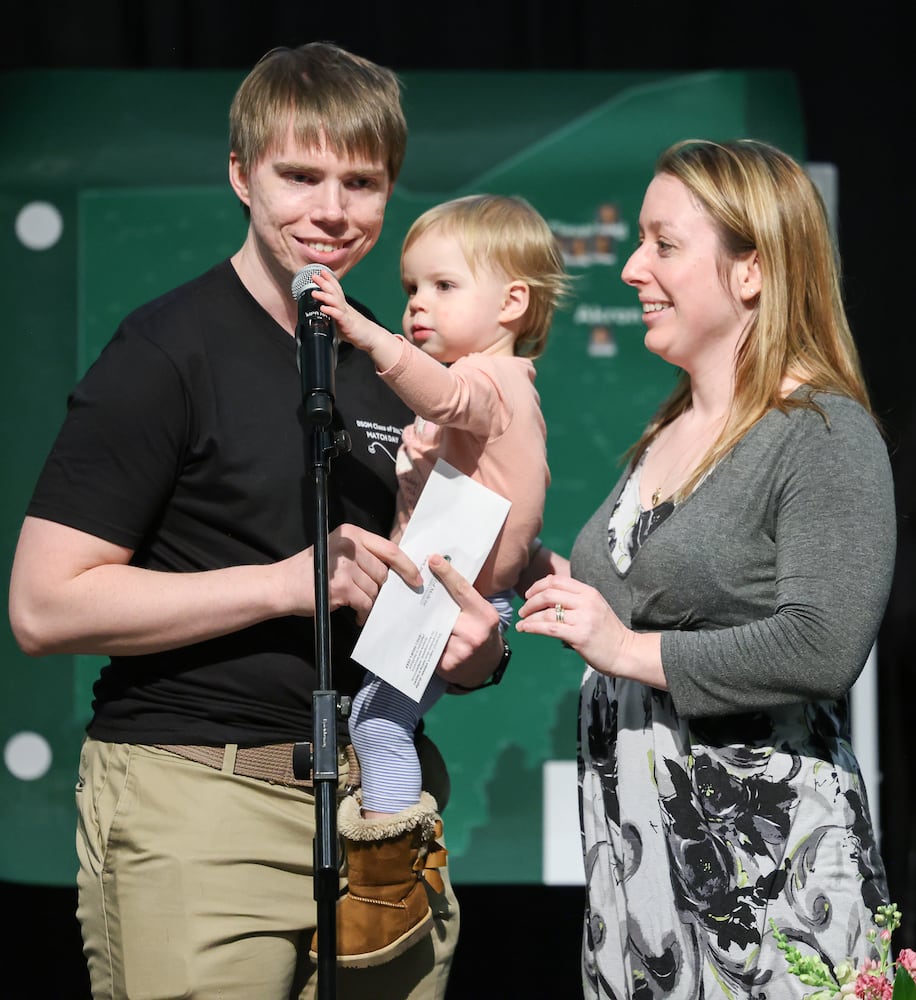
187,441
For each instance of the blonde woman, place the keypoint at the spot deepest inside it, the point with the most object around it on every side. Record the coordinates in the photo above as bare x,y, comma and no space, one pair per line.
725,597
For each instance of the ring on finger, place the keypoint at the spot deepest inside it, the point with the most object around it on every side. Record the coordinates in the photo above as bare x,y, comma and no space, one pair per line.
560,613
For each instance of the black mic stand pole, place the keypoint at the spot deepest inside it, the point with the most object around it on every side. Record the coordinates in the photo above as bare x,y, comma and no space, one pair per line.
323,762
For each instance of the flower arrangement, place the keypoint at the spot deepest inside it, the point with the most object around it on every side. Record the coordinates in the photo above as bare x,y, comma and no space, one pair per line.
874,980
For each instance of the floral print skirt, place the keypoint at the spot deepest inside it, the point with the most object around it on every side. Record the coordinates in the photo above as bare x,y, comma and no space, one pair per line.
697,834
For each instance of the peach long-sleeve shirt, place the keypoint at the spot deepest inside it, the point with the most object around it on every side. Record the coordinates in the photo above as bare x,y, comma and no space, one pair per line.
482,415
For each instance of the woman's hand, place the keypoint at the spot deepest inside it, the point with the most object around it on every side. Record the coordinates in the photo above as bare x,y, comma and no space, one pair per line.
566,609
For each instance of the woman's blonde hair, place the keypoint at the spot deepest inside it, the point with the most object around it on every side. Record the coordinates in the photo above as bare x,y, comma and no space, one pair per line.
330,96
508,234
759,198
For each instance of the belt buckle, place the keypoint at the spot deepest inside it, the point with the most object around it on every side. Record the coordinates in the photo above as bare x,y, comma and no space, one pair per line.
303,760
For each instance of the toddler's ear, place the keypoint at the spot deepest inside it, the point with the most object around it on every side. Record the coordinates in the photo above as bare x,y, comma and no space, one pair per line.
515,301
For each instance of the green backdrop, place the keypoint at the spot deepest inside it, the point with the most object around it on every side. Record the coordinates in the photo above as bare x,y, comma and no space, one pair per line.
133,167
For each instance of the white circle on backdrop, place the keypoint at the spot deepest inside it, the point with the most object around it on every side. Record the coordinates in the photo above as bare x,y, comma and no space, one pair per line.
39,225
27,756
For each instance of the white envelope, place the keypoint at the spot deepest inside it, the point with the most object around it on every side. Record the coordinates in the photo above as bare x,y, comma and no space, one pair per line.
407,628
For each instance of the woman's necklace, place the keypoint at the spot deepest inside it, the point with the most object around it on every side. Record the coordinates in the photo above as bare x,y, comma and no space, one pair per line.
693,446
669,475
678,469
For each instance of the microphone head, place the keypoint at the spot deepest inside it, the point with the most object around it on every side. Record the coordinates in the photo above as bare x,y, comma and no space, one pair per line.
304,279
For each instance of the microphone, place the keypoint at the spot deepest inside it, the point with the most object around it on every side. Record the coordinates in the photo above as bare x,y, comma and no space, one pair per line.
316,347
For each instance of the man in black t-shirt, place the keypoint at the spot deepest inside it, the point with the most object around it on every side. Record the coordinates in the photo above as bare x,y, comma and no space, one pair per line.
170,530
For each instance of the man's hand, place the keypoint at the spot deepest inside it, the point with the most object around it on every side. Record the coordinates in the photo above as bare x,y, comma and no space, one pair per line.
71,592
474,648
358,563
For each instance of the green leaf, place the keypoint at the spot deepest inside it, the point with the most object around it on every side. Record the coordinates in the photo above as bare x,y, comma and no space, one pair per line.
904,987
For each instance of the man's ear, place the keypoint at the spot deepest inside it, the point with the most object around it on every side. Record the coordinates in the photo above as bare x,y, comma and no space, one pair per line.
516,297
750,277
238,178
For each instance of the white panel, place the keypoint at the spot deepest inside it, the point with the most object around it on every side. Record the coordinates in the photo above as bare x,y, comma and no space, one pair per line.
864,711
562,860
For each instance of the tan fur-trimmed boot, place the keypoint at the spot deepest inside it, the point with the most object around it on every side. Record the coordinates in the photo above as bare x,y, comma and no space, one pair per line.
389,863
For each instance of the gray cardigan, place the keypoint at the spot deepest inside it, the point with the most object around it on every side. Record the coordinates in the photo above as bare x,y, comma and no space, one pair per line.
769,582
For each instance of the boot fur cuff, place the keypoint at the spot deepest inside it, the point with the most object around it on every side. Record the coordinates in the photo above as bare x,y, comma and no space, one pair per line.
354,826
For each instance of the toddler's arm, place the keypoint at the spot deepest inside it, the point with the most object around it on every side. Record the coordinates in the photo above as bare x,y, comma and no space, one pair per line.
353,326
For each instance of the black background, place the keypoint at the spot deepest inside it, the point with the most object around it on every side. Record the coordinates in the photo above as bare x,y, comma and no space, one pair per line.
854,74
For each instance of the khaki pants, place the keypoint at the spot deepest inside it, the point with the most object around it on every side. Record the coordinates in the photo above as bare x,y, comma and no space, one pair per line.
198,883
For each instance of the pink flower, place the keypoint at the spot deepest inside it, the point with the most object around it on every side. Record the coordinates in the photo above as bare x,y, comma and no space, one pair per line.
873,986
871,982
907,958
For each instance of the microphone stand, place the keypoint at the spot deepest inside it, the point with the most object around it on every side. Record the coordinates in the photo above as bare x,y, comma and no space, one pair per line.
322,762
